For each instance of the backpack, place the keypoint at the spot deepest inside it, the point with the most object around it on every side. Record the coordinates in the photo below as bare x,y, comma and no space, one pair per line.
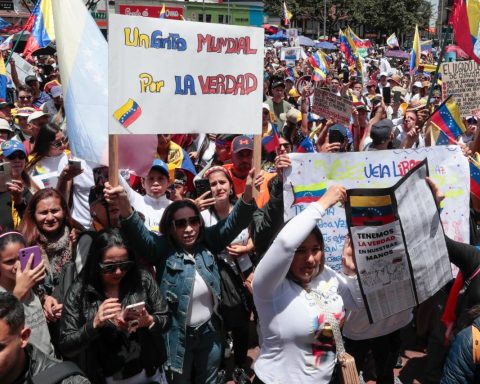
56,373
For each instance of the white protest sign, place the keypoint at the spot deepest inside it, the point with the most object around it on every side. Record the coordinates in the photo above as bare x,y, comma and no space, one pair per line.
331,106
310,173
290,53
24,68
462,80
293,39
169,76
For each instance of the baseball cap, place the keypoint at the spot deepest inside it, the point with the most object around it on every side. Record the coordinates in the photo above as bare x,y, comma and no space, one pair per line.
56,91
340,128
25,111
161,166
266,106
30,79
10,146
291,79
277,84
35,115
381,131
4,126
417,84
293,116
242,142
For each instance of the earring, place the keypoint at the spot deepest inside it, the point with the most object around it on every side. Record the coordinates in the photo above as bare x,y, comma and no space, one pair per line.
231,192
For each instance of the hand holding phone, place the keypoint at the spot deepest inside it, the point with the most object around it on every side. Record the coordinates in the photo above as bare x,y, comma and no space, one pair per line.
202,186
77,164
25,254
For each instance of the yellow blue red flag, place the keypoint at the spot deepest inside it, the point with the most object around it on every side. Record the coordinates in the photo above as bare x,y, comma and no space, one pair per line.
465,19
415,55
43,32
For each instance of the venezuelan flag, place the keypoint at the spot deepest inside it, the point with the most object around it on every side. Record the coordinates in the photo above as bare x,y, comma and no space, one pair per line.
465,19
439,137
287,15
447,118
308,193
392,41
163,13
43,32
128,113
3,79
320,65
415,55
474,179
359,43
347,46
371,210
271,142
306,146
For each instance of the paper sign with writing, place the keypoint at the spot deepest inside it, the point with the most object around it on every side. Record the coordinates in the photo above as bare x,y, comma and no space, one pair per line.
311,174
462,80
400,252
170,76
290,53
331,106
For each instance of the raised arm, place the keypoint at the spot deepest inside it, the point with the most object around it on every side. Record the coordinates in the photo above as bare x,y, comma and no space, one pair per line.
274,266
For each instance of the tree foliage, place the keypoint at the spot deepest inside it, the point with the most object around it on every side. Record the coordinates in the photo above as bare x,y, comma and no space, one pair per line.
375,15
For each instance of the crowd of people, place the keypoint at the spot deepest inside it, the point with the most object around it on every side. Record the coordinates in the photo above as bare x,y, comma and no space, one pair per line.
160,278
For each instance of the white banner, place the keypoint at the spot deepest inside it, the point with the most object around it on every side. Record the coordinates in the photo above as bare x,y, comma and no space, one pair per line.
291,53
169,76
377,169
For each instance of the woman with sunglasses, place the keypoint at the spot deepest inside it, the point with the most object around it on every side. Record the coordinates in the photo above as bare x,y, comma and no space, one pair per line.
15,194
110,342
48,160
184,257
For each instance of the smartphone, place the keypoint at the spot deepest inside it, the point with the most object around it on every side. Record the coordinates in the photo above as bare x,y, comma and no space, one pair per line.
5,176
387,95
75,164
335,136
202,186
133,309
396,97
100,176
25,253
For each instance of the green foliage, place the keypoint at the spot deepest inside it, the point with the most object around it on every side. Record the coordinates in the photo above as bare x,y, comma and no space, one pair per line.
375,15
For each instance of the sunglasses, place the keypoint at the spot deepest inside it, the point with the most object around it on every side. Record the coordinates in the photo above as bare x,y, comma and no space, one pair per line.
286,146
17,156
59,143
124,266
24,97
183,223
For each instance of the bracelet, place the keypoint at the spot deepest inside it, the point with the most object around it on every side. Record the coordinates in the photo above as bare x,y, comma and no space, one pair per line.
152,325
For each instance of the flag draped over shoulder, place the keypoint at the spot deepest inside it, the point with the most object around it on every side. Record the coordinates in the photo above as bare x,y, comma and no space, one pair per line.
465,20
415,54
392,41
448,120
320,65
42,32
347,46
83,58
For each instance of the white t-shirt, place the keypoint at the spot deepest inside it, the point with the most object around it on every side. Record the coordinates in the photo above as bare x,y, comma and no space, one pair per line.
297,346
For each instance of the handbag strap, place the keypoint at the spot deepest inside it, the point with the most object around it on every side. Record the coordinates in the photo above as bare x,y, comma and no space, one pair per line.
337,334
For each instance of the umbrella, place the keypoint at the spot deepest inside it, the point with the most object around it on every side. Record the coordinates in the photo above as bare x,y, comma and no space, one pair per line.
280,35
398,54
304,40
325,45
459,51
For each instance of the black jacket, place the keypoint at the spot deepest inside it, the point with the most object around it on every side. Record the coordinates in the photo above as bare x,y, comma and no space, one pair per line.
37,362
108,351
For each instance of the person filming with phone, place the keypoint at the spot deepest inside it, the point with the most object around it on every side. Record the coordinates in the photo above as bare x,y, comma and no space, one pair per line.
114,317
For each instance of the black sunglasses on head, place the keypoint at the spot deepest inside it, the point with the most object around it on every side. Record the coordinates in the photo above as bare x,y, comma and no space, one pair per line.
183,223
112,267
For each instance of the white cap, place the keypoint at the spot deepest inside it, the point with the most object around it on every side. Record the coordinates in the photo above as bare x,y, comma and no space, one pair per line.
4,126
56,91
36,115
417,84
266,106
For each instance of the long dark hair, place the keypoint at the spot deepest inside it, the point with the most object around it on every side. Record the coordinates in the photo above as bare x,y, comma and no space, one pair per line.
11,237
166,223
29,227
46,136
92,274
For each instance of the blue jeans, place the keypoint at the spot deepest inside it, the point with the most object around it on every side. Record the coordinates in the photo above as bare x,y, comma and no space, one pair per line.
203,354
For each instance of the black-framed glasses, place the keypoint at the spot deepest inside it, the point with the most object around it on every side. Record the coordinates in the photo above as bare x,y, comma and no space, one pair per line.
183,223
124,266
17,156
59,143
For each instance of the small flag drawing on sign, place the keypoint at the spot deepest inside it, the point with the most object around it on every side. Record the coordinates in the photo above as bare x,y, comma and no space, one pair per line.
128,113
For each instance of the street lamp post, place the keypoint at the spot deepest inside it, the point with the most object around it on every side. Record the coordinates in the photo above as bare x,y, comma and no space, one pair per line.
324,18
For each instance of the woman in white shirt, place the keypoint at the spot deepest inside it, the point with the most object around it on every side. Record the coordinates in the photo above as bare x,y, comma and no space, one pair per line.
294,293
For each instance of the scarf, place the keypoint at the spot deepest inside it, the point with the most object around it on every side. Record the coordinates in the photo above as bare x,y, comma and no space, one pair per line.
58,252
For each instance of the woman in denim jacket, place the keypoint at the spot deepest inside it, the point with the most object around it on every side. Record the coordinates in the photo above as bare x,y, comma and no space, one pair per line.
184,258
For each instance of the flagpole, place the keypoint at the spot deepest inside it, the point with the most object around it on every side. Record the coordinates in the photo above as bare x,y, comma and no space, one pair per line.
14,46
440,59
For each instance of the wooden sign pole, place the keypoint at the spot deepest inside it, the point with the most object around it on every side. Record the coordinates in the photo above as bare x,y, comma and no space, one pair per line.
113,160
